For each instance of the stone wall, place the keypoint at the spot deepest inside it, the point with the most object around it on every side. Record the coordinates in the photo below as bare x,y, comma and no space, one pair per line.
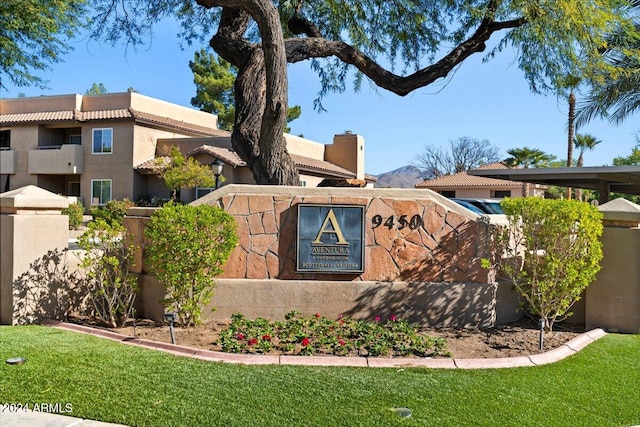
447,247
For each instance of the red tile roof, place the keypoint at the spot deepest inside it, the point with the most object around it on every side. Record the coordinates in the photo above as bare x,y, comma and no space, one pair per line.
117,114
230,157
464,180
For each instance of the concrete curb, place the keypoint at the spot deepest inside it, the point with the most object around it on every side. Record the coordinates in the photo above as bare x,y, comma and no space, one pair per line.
562,352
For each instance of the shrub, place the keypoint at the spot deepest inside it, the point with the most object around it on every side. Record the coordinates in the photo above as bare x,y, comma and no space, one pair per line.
189,246
75,212
113,212
107,259
551,251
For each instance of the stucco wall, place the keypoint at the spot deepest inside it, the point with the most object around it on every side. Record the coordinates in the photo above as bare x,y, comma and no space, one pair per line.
613,300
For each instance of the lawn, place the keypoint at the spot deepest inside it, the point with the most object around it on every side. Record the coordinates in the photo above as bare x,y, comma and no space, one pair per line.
104,380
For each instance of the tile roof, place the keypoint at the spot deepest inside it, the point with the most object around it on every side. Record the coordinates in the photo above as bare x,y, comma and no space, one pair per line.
464,180
320,166
153,166
117,114
230,157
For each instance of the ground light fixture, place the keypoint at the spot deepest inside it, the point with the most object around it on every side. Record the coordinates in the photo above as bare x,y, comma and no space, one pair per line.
171,318
16,360
217,166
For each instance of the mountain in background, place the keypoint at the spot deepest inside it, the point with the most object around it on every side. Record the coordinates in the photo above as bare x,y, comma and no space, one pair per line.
404,177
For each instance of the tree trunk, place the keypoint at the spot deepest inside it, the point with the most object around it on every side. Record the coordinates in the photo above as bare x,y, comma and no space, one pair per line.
260,89
572,115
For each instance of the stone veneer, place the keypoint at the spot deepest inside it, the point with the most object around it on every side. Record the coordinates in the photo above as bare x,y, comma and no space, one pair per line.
446,248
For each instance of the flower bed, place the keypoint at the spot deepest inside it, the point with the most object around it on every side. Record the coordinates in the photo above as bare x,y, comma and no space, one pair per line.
318,335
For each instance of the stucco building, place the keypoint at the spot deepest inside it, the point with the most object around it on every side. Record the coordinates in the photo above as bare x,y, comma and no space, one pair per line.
101,147
464,185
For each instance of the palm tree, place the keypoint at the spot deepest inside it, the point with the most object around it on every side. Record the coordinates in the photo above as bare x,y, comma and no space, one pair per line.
526,157
584,142
616,99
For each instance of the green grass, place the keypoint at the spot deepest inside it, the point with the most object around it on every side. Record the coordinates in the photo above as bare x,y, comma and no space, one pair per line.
108,381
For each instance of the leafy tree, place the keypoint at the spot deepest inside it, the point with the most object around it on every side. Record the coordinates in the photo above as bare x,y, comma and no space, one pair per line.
630,160
185,173
106,260
463,154
189,246
96,89
425,41
527,157
551,251
33,35
214,78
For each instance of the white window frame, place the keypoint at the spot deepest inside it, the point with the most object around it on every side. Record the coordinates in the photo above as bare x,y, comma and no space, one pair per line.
93,197
93,137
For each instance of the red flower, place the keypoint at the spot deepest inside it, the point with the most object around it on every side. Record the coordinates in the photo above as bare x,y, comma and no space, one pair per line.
266,337
393,318
377,319
240,336
341,321
341,342
305,342
253,341
317,315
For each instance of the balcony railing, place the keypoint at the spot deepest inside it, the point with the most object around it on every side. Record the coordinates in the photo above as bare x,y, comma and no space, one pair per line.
56,160
7,161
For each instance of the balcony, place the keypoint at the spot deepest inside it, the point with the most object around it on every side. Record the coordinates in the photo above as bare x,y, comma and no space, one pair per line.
7,161
56,160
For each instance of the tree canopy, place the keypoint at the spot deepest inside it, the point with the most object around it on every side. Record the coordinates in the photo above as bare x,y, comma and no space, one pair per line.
34,34
422,41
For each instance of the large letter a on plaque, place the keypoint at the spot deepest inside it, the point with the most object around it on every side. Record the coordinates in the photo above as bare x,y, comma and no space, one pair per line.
330,219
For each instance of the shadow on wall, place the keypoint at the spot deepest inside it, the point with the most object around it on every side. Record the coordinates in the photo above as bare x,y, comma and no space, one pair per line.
48,289
463,305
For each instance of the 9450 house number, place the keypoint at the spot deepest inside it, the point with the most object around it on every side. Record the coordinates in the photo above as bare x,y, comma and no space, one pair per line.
398,223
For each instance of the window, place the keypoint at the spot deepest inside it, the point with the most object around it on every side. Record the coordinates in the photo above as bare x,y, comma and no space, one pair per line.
100,191
448,193
5,139
102,141
75,139
498,194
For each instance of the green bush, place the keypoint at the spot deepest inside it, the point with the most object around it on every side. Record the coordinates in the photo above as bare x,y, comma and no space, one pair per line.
75,212
189,246
551,251
113,212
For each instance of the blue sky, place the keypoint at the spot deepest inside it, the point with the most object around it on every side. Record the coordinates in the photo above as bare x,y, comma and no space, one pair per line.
488,101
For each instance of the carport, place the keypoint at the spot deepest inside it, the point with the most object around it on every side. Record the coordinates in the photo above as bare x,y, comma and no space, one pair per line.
603,179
